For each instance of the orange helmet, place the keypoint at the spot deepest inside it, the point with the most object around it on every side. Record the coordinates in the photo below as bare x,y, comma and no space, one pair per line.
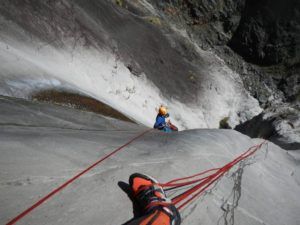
162,110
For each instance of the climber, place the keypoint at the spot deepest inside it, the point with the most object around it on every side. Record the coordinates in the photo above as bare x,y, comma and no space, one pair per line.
161,123
150,204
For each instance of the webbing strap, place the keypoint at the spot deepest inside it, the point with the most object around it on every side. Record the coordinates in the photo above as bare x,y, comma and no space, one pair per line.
64,185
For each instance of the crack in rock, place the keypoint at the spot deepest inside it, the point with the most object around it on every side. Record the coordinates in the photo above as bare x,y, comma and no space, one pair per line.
232,202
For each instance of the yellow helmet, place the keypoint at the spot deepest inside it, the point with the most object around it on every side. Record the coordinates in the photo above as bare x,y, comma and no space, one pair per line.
162,110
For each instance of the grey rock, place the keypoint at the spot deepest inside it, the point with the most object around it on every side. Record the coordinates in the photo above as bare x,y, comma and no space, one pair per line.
280,125
47,145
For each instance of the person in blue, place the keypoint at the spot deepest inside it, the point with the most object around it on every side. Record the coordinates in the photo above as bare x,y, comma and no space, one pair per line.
160,122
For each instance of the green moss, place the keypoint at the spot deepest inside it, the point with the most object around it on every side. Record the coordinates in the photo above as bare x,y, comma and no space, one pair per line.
224,123
154,20
120,2
192,77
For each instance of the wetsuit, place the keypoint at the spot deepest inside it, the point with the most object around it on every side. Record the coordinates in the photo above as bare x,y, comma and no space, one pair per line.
160,123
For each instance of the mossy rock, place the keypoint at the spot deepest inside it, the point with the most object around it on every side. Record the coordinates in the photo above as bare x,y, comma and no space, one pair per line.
224,123
119,2
154,20
78,101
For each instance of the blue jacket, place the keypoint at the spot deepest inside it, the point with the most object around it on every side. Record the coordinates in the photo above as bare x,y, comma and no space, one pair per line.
160,122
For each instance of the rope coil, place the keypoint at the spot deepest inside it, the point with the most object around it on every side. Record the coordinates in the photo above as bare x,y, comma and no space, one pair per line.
203,183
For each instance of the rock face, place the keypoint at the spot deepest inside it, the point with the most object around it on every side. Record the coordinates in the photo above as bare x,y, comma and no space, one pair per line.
210,22
269,32
269,35
130,55
145,53
42,146
122,55
100,26
264,33
280,125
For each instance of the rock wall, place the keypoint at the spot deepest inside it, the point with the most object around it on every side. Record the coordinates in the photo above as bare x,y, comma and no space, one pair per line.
269,32
260,40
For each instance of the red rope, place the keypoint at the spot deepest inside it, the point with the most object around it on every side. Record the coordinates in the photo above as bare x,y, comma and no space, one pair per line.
171,183
55,191
202,184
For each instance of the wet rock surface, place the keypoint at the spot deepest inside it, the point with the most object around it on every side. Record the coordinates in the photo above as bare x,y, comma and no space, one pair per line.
121,53
78,101
130,38
258,39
